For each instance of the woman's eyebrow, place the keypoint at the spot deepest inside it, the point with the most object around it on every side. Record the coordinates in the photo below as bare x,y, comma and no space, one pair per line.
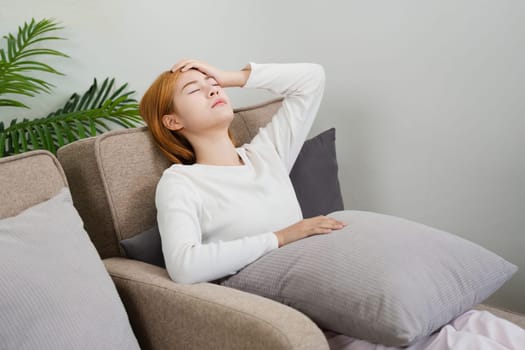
194,81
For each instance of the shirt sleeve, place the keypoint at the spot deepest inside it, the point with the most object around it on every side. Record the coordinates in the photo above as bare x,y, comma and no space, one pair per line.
187,259
302,85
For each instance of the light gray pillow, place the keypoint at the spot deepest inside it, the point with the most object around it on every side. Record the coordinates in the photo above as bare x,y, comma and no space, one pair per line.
382,278
55,292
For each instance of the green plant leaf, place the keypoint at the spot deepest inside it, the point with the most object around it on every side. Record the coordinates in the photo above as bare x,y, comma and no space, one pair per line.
75,120
14,142
103,92
118,92
58,133
23,140
80,128
49,139
41,136
92,127
71,137
2,144
86,97
35,66
12,103
33,138
35,52
101,123
19,58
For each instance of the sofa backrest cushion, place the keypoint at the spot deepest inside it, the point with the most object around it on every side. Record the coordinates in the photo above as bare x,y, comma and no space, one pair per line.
27,179
113,176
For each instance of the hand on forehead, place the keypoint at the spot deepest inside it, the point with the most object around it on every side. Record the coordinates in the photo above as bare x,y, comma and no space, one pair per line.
205,68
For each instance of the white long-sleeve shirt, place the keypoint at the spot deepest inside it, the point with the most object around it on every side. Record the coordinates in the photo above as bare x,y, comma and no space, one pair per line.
214,220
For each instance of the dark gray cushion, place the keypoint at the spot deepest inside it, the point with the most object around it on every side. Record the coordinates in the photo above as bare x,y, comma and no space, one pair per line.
55,292
314,176
145,246
316,184
382,278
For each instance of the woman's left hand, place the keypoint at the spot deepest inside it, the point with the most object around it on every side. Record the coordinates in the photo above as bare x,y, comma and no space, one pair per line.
224,78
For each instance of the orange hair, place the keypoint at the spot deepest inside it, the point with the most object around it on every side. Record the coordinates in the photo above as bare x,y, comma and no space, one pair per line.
157,102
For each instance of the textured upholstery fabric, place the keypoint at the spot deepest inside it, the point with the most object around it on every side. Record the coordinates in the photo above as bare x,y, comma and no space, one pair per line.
27,179
89,197
382,278
206,315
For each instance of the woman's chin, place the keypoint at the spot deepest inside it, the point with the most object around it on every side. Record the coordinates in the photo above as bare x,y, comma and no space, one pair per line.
223,119
226,114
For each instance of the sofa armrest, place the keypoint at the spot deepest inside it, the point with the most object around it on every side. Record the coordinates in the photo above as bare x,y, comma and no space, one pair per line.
169,315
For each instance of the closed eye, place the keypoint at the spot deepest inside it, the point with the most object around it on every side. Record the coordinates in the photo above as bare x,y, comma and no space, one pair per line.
191,92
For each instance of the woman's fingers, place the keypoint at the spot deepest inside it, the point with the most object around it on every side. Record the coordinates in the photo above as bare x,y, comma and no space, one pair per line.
332,223
185,65
177,65
181,64
191,64
203,67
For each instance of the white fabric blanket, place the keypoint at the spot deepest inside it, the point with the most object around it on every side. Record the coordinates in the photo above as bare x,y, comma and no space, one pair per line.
480,330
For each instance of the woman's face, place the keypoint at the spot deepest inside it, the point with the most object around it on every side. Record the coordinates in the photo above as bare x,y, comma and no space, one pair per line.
200,104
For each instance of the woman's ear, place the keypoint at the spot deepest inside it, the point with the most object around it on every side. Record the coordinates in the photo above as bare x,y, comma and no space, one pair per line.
171,122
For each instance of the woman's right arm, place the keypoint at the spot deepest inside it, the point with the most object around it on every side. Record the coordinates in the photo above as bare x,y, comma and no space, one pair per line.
187,259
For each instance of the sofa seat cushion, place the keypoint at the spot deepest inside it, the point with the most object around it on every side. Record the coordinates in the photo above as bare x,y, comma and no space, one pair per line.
55,292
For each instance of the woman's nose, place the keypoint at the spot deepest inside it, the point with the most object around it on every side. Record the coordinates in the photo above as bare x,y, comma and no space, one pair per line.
214,90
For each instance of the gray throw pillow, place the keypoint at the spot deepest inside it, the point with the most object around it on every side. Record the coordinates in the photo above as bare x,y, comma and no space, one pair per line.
314,176
315,181
55,292
382,278
146,247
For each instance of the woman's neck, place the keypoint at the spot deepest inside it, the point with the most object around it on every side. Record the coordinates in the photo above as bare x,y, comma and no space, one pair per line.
215,149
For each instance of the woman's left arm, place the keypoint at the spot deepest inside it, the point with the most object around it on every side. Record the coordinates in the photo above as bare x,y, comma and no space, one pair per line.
302,85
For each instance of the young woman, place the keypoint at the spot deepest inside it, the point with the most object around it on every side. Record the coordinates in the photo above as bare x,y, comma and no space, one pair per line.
221,207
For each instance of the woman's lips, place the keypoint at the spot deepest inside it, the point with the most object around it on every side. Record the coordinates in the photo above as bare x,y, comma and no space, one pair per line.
218,103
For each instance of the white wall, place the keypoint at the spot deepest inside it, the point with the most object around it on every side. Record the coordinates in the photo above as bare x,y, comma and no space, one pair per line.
428,97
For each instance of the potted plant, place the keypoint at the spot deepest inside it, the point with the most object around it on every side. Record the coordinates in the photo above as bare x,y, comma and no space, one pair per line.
81,116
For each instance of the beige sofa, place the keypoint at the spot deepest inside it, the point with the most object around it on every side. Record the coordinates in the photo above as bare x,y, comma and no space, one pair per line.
112,178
